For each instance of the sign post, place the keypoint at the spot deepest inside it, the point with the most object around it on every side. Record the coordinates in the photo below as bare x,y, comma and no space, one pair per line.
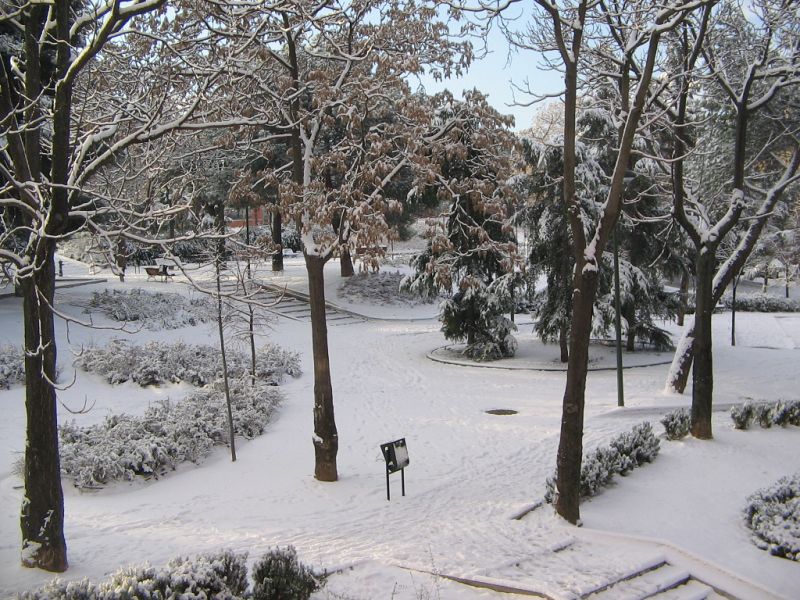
396,456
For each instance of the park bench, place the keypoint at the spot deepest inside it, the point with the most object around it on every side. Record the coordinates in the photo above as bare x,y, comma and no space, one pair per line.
161,271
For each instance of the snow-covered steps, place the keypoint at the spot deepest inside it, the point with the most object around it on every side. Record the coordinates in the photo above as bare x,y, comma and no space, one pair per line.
662,582
294,305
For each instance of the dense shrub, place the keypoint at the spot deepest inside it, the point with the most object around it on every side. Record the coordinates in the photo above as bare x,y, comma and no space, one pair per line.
12,366
125,446
767,414
158,362
221,576
677,423
773,514
279,574
761,303
743,415
625,452
764,413
381,288
154,310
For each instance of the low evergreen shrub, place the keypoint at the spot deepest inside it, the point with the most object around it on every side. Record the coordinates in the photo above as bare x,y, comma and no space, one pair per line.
677,423
743,415
153,310
279,575
625,452
124,447
760,303
12,366
221,576
159,362
773,514
782,412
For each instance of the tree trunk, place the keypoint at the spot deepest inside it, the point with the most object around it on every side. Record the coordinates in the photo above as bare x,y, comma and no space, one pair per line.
277,240
221,331
570,446
629,312
563,342
346,262
683,296
326,438
42,516
703,373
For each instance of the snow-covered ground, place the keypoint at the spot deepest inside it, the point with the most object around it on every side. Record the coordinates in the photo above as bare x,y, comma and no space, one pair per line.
470,472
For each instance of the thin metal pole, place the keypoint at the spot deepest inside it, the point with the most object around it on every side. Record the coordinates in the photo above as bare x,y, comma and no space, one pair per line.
388,493
617,322
403,480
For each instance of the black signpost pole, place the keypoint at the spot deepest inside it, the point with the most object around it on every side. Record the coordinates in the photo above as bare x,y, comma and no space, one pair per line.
396,456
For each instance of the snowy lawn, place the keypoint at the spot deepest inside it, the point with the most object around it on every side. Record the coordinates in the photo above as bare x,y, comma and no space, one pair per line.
470,472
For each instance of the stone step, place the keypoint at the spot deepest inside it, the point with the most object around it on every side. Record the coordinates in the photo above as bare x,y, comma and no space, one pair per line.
643,584
691,590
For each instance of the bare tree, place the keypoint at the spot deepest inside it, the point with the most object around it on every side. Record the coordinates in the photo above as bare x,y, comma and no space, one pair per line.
322,77
629,33
751,78
81,85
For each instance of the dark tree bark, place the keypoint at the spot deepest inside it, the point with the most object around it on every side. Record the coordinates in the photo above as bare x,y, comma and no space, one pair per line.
346,262
570,447
326,437
703,371
629,312
42,517
277,241
563,342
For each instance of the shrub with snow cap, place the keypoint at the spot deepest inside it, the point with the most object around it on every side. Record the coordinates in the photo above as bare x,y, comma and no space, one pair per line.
153,310
159,362
12,366
625,452
677,423
773,513
124,446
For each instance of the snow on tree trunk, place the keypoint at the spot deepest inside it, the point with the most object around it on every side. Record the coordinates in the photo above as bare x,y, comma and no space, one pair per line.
326,437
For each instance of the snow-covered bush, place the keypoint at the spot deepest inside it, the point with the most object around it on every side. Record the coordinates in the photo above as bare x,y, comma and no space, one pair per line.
760,303
381,288
125,446
12,366
787,413
158,362
743,415
764,414
222,576
154,310
677,423
279,574
767,414
635,447
625,452
773,514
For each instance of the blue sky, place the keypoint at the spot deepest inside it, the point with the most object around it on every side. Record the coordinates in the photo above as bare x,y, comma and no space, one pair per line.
494,73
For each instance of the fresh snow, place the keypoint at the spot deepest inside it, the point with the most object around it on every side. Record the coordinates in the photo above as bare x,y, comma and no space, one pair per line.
470,472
